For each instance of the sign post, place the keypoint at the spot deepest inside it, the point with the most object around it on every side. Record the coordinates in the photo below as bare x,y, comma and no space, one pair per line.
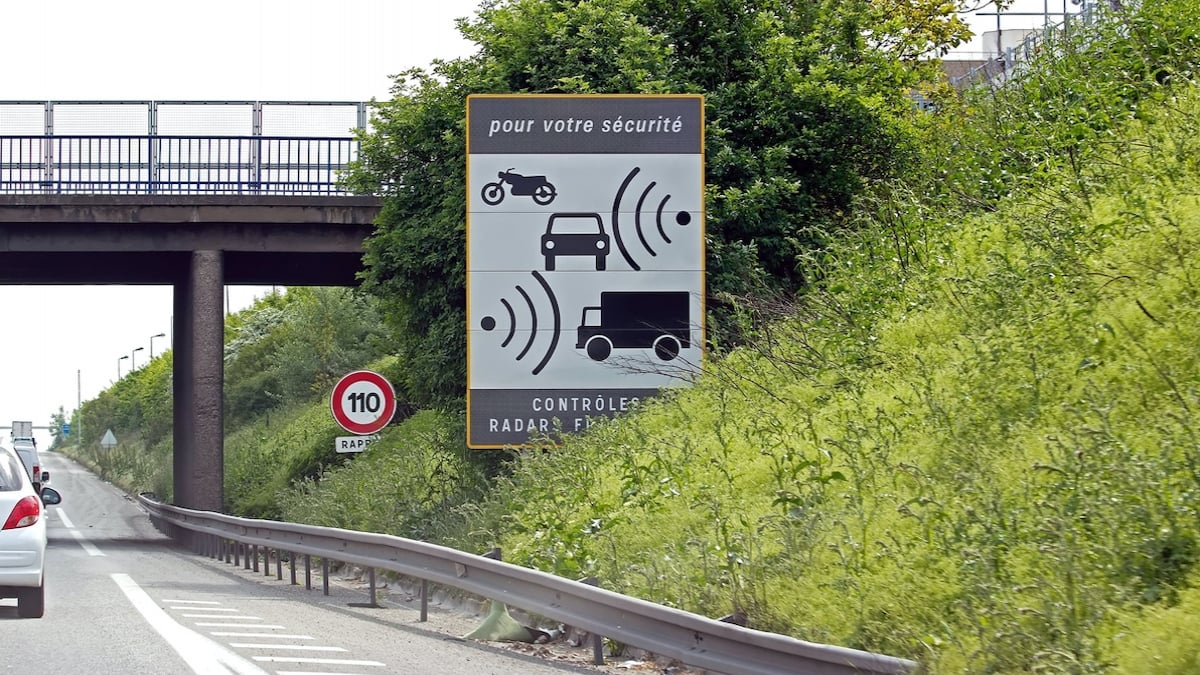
363,403
585,258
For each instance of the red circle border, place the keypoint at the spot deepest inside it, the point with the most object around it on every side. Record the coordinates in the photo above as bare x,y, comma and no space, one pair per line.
389,402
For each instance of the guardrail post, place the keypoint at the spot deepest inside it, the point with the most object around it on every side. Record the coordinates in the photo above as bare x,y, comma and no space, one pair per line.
266,561
424,600
237,549
246,557
325,576
254,549
597,639
278,564
307,571
371,577
292,565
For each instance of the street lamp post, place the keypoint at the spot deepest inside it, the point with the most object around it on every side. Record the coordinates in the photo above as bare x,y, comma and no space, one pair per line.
133,359
119,366
152,343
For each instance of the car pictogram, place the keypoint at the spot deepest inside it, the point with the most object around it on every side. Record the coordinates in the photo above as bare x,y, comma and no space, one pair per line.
580,234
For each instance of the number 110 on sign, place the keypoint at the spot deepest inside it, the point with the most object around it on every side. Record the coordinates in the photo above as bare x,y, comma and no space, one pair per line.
363,402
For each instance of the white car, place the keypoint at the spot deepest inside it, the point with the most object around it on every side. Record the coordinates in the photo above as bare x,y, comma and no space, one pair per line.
23,536
27,450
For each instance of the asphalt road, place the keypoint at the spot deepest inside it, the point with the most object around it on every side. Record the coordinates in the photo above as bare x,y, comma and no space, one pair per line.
122,598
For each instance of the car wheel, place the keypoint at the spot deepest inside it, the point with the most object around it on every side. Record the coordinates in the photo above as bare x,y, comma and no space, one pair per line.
31,602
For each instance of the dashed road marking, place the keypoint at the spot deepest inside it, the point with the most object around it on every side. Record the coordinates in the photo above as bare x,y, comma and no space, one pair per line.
87,546
209,609
277,636
311,648
202,655
227,617
323,662
237,625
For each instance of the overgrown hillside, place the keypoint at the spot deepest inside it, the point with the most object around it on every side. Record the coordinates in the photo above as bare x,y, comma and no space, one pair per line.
982,468
974,444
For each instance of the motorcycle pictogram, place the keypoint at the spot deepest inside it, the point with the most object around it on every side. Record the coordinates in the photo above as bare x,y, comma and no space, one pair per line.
537,187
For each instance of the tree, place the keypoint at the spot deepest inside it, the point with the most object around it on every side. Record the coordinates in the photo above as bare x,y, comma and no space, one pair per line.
805,101
290,347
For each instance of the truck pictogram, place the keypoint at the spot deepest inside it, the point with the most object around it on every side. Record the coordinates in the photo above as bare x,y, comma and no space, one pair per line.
657,320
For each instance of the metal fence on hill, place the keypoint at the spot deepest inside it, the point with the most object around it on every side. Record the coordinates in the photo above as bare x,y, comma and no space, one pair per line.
997,69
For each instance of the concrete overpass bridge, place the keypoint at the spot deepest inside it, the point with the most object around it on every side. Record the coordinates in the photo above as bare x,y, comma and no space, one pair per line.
238,193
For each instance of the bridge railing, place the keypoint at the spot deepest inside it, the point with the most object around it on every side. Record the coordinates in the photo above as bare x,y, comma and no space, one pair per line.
178,147
174,165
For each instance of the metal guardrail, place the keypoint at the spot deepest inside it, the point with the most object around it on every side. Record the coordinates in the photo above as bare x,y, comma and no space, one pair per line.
690,638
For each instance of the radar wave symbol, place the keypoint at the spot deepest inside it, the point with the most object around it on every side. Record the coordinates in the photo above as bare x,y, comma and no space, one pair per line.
682,218
489,322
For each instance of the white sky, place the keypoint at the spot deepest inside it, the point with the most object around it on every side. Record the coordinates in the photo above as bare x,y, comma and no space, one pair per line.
63,343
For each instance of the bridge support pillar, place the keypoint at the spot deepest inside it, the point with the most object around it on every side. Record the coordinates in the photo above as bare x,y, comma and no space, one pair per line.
199,376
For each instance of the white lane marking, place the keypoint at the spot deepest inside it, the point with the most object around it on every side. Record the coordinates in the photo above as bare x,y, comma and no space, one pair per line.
223,616
170,601
277,636
87,546
201,654
308,648
324,662
311,673
259,626
208,609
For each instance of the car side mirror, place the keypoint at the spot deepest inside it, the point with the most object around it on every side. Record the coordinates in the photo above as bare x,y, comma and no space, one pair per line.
45,476
51,496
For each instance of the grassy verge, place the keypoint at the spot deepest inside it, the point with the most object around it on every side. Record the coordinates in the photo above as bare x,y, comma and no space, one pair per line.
990,469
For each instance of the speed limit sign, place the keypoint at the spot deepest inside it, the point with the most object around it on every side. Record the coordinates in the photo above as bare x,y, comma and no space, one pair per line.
363,402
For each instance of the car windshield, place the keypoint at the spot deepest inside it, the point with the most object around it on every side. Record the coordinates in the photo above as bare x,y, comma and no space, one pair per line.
575,226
